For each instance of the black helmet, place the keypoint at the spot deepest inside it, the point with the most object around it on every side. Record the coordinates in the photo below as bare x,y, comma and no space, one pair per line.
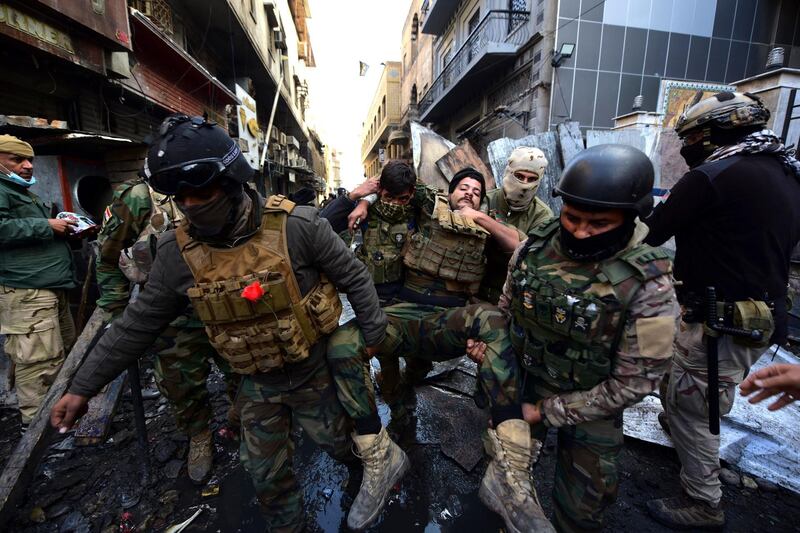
192,152
609,176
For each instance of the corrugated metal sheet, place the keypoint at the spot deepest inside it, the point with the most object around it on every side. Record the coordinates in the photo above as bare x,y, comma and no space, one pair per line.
500,149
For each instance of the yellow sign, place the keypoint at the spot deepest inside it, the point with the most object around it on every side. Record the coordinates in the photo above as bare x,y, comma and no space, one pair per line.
677,95
35,28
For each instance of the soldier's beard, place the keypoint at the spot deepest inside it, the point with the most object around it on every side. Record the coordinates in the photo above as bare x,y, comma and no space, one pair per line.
597,247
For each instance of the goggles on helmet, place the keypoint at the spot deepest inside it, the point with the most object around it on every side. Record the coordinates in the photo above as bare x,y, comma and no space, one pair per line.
193,174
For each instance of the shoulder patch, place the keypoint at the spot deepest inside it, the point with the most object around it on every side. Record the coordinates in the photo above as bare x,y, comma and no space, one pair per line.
546,228
643,262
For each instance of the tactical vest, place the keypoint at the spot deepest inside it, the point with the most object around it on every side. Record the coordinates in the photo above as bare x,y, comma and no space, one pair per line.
568,318
282,325
449,247
382,248
137,260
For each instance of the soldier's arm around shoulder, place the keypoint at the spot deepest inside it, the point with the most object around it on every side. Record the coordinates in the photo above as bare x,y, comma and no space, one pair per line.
123,221
128,338
641,360
332,257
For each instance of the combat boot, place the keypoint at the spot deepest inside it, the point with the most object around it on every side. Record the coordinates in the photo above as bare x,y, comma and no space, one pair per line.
200,455
684,512
507,487
384,465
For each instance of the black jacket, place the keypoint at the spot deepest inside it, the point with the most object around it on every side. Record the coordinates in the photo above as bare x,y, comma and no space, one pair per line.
735,223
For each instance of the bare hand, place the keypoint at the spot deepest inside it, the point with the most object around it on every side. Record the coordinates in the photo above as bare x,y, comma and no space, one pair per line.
476,350
775,379
357,215
67,411
61,226
470,213
531,413
368,187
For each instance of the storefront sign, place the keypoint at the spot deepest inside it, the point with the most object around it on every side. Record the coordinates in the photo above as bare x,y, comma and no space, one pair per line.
248,126
37,29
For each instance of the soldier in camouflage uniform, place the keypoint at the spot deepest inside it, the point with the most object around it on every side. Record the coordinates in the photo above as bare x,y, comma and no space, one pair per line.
183,363
444,264
389,222
266,311
593,315
517,205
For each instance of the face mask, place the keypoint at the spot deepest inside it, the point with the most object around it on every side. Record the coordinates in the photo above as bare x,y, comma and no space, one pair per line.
693,154
518,195
19,180
392,212
597,247
209,219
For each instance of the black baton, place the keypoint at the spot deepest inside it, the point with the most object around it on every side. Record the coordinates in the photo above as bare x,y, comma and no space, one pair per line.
714,328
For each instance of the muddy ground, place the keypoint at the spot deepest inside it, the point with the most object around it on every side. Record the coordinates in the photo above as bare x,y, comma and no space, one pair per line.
103,488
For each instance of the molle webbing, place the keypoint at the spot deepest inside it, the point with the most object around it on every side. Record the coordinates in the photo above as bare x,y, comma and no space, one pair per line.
280,326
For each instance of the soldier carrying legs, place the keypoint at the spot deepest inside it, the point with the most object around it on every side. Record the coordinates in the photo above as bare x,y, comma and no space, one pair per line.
265,311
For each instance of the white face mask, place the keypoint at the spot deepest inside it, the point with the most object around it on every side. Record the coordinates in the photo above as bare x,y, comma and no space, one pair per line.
519,195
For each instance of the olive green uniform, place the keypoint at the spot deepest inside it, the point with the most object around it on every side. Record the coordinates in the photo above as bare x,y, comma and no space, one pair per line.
591,338
183,363
36,271
285,384
444,263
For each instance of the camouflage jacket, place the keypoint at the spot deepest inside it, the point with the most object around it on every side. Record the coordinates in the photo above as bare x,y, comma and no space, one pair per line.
643,355
526,220
123,222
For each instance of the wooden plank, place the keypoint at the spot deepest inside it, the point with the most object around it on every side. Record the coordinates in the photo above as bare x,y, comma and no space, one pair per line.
23,461
463,156
569,136
94,426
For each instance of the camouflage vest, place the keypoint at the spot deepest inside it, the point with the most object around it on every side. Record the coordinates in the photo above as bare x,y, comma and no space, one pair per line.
282,325
449,247
383,244
568,318
137,260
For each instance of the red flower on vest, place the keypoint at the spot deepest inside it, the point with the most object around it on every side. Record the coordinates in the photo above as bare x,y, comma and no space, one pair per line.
253,292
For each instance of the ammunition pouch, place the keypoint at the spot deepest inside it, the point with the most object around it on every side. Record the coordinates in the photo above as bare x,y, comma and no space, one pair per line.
744,314
257,336
277,328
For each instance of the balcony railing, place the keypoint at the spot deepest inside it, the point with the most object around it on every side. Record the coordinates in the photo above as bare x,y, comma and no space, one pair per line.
509,27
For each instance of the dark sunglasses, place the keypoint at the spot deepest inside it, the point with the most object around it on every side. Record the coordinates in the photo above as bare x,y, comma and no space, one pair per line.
193,174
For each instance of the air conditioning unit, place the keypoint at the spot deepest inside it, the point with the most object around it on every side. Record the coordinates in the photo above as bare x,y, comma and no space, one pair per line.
280,39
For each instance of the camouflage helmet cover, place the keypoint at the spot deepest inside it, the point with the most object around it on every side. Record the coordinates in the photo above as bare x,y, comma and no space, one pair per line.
725,110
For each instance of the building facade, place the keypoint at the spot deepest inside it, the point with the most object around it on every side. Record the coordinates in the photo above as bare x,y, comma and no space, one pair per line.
493,75
383,118
624,48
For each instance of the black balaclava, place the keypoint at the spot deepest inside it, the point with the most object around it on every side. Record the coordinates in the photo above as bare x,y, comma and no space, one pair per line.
598,247
219,216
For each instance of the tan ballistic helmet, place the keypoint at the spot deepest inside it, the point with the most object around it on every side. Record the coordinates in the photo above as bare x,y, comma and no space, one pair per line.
725,110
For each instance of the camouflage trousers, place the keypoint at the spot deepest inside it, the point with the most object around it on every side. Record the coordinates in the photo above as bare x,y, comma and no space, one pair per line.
267,449
428,333
685,401
182,367
586,479
39,333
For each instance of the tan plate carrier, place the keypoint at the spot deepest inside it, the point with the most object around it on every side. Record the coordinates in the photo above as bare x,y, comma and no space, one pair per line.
279,327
